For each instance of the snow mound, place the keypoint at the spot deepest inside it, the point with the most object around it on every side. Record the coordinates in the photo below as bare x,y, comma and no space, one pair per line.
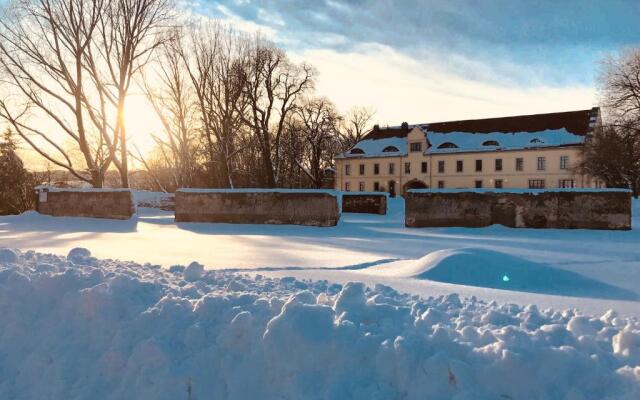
8,255
121,330
497,270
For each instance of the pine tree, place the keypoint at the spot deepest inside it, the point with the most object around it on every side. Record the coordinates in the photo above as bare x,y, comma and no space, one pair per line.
16,183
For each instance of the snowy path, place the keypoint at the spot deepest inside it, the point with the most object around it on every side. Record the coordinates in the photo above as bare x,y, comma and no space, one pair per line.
602,257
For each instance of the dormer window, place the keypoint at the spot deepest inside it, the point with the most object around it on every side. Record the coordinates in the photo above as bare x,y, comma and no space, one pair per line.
390,149
415,146
491,143
356,150
448,145
536,140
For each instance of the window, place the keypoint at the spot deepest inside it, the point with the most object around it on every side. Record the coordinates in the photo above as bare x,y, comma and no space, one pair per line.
567,183
536,183
440,184
491,143
478,184
459,166
441,167
407,168
519,164
392,168
497,183
542,163
564,162
417,146
347,169
347,186
448,145
361,186
376,169
376,186
390,149
356,150
536,140
498,164
478,165
424,167
361,169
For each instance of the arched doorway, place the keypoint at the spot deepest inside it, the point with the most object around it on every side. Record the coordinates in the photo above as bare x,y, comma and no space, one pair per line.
414,184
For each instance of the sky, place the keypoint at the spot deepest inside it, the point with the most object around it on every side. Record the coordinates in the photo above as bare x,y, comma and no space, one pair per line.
432,60
429,60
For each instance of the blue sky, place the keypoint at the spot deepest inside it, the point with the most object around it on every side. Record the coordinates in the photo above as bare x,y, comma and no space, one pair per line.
431,60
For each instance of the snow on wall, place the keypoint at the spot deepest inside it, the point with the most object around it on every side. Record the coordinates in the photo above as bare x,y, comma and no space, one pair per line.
81,189
257,190
523,191
78,328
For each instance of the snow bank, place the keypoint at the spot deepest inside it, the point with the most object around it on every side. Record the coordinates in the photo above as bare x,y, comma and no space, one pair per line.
85,328
493,269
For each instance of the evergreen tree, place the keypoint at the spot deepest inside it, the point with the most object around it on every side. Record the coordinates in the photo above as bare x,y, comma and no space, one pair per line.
16,183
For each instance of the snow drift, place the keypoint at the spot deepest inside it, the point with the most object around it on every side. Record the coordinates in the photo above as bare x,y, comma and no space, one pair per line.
493,269
79,327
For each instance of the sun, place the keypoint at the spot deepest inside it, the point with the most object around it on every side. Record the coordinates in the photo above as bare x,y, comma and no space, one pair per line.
142,122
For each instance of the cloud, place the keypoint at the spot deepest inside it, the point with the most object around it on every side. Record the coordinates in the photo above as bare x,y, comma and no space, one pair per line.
402,88
559,41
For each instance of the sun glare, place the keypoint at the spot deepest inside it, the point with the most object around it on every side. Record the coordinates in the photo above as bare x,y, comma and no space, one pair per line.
141,121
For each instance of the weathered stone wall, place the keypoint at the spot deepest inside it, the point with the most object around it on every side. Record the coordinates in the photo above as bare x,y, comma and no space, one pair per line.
102,203
259,207
367,203
545,209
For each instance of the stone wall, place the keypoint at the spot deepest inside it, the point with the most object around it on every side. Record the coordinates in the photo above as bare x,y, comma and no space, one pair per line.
100,203
587,209
295,207
367,203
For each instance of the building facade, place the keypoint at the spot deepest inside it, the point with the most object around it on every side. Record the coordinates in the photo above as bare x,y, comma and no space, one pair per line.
530,151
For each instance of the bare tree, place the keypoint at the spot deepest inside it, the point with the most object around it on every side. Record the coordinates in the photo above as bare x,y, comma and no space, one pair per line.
170,93
612,154
354,125
319,122
272,85
214,56
42,47
620,85
129,32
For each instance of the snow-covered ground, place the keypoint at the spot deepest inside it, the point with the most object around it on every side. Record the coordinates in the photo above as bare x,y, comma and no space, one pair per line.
586,269
83,328
273,313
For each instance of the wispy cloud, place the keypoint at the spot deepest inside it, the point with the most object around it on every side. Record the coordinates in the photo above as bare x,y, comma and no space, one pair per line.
425,60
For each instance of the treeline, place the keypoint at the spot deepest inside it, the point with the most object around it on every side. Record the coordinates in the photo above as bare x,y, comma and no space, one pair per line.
236,110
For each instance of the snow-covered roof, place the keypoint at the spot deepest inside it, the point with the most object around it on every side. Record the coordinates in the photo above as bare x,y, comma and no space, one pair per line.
490,134
377,147
466,141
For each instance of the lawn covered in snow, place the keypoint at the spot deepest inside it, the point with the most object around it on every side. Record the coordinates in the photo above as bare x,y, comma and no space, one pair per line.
78,327
586,269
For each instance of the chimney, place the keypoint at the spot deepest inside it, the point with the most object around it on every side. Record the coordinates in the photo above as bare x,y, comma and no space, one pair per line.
405,126
376,128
